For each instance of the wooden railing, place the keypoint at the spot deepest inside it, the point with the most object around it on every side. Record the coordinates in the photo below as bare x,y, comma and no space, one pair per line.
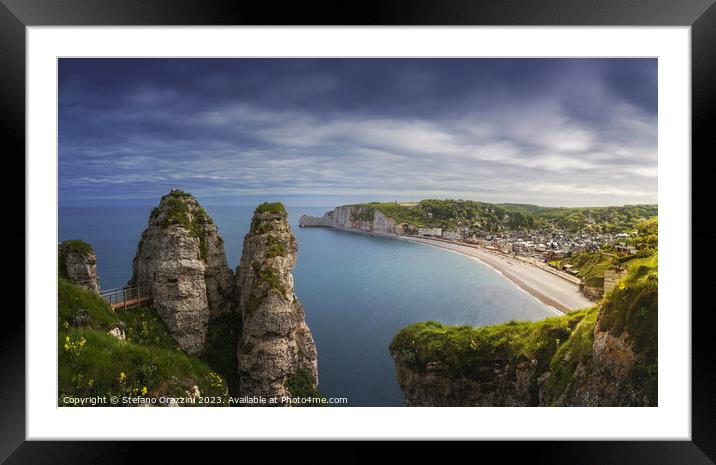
126,297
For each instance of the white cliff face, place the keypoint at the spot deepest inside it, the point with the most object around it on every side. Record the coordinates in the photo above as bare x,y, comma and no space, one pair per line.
363,218
79,263
181,259
276,342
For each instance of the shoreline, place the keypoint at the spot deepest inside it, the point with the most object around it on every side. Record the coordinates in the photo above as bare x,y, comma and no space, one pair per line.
550,289
558,292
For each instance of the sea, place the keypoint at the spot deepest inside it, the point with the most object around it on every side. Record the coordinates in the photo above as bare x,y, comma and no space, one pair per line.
358,290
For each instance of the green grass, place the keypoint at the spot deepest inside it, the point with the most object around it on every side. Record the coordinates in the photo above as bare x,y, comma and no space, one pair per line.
471,352
632,307
72,297
575,350
495,217
143,326
262,226
94,363
271,207
592,265
77,246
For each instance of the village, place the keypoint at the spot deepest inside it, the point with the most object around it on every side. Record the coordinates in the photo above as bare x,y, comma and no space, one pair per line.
543,245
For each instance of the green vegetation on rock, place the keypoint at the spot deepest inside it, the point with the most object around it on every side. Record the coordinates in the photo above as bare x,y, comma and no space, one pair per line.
474,215
301,384
263,225
178,212
575,350
558,345
365,213
470,352
274,247
268,275
271,207
71,246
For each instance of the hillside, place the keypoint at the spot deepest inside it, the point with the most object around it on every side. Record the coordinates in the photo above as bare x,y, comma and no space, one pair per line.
147,364
449,214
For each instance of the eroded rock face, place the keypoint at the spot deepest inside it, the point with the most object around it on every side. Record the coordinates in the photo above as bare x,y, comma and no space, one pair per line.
79,263
510,387
605,380
364,218
276,342
181,258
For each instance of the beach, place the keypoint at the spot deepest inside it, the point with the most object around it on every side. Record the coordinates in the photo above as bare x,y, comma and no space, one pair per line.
560,293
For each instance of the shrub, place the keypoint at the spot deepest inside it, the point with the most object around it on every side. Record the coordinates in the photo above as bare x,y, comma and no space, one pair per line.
271,207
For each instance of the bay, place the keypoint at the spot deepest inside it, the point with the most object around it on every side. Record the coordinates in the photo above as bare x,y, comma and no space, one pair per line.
358,290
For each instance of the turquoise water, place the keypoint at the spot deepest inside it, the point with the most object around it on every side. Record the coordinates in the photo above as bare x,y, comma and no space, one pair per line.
357,290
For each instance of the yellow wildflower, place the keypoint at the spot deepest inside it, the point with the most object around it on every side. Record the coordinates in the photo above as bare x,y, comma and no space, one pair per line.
144,390
122,376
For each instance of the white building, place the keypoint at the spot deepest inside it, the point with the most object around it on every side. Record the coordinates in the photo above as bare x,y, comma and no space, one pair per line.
430,232
453,235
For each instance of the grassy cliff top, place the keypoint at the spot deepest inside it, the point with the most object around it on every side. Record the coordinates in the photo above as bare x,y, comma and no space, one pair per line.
487,216
271,207
559,344
471,352
77,246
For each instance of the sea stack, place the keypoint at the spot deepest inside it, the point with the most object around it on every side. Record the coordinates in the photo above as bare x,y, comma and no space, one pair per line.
180,259
78,263
276,345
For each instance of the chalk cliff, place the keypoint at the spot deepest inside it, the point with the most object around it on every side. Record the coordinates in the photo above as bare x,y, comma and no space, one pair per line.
602,356
364,218
276,345
180,258
78,263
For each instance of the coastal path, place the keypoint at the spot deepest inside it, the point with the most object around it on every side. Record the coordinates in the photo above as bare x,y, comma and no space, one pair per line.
126,297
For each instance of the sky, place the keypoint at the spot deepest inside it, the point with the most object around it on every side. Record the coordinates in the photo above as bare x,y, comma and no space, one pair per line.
325,132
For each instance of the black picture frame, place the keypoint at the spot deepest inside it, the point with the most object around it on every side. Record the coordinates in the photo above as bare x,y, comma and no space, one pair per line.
700,15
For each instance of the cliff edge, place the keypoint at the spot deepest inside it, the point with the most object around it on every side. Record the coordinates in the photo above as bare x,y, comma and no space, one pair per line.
364,218
601,356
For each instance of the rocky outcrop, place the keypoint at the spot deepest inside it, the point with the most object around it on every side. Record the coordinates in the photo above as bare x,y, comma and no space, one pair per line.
181,259
276,344
363,218
509,386
603,356
78,263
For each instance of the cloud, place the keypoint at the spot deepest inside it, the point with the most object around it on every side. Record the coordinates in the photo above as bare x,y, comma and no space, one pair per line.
551,132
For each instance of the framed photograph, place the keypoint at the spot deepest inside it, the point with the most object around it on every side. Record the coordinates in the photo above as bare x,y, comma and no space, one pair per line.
451,231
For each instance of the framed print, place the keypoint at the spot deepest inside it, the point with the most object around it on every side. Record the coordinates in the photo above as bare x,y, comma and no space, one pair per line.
432,232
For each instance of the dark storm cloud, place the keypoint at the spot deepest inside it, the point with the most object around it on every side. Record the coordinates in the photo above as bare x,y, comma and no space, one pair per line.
549,131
